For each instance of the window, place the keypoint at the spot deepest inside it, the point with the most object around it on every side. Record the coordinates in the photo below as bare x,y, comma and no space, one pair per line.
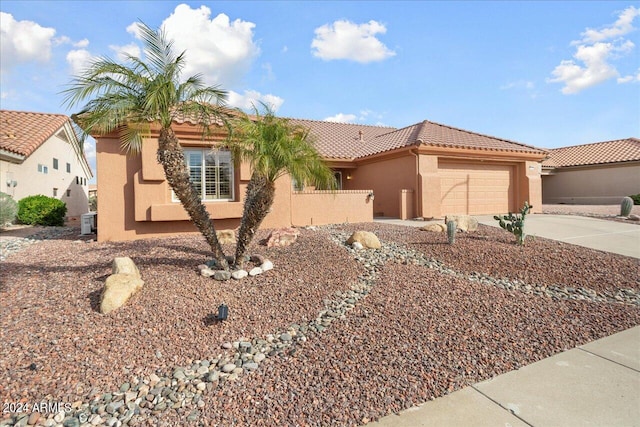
55,164
68,167
55,192
297,186
211,173
43,168
68,193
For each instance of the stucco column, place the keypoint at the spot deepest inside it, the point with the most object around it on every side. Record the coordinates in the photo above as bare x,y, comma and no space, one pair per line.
532,186
429,194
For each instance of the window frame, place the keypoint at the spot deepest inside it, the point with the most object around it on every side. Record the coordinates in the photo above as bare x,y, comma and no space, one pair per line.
55,163
219,155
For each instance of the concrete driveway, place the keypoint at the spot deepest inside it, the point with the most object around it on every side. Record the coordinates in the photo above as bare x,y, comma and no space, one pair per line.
605,235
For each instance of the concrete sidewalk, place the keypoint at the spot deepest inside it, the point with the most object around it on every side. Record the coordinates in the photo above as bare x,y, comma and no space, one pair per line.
597,384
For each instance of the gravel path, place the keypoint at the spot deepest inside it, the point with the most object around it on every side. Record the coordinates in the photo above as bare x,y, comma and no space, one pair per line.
421,320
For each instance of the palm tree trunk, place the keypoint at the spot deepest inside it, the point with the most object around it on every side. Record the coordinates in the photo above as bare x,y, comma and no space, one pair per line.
258,200
171,158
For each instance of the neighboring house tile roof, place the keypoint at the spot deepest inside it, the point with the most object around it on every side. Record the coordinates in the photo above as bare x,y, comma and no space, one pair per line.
616,151
23,132
344,141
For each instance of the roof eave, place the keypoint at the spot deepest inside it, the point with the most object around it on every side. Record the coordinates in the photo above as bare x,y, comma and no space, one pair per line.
11,157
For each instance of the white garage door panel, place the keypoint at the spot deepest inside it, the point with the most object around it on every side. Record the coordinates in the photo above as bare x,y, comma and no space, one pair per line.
476,189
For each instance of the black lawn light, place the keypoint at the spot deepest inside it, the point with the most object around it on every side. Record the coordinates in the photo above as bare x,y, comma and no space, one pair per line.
223,312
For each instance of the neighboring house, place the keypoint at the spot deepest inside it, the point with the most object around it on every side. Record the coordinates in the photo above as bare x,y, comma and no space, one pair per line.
424,170
40,154
598,173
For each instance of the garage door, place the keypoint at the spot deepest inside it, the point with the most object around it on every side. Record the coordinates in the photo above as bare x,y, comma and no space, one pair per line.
476,188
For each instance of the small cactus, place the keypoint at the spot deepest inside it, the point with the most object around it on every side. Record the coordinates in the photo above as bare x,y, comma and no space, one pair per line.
451,231
515,223
625,206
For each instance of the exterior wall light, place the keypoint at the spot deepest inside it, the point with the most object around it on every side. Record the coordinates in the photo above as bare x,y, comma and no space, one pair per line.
371,197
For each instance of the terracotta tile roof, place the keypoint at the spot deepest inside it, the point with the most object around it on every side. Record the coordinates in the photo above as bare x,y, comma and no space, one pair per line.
342,140
616,151
23,132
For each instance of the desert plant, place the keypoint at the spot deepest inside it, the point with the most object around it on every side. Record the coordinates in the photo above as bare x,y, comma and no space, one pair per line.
514,223
8,209
131,97
635,198
41,210
274,147
625,206
93,203
451,231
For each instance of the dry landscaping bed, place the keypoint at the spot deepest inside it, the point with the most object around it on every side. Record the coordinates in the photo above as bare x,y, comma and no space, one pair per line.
419,334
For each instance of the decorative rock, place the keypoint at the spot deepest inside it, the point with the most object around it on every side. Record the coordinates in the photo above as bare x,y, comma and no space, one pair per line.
259,357
222,275
71,422
239,274
266,265
463,222
366,238
226,236
117,291
255,271
229,367
634,217
207,272
250,366
357,246
434,227
282,237
125,265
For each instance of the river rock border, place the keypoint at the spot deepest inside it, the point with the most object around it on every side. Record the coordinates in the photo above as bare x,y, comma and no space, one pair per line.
142,398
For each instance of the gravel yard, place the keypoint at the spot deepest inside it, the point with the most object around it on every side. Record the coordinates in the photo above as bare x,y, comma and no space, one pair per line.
428,318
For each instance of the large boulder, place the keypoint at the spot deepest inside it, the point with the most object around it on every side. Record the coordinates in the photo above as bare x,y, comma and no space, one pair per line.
463,222
283,237
435,227
125,265
226,236
366,239
118,289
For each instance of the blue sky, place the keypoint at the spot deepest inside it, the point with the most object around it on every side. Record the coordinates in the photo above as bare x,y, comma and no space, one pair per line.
544,73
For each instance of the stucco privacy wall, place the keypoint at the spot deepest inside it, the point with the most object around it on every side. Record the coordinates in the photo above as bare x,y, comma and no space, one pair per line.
30,181
601,184
326,207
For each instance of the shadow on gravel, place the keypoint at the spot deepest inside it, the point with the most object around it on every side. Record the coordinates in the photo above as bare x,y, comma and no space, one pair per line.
94,300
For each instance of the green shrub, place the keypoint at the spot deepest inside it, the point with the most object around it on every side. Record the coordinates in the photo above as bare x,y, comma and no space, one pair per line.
41,210
8,209
636,199
93,204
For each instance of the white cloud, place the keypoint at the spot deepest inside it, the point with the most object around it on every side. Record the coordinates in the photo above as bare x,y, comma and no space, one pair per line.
252,98
347,40
130,49
593,59
342,118
622,26
23,41
90,150
630,78
79,60
81,44
220,49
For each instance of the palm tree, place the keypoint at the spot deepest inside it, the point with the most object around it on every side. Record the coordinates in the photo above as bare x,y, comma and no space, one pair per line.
130,98
274,147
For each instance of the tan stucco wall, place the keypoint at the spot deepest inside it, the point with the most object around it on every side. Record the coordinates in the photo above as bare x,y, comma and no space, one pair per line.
135,200
31,182
325,207
386,178
605,184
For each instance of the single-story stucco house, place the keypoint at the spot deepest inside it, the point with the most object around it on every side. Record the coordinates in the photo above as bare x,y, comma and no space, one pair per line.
424,170
598,173
40,154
